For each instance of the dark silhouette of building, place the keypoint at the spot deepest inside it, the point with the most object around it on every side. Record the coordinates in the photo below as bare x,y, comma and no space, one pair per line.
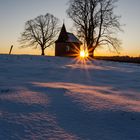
67,44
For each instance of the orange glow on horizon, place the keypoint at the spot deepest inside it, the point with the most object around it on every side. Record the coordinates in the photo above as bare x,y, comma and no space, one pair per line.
5,47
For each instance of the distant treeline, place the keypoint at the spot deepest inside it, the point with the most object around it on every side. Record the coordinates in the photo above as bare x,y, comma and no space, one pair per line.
127,59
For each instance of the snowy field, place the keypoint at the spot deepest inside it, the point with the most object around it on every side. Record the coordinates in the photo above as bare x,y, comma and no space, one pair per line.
52,98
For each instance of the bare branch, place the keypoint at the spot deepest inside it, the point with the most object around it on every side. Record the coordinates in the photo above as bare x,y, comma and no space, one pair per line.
40,31
95,21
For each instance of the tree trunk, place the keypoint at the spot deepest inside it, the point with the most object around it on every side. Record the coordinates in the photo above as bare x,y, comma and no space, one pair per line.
42,51
91,52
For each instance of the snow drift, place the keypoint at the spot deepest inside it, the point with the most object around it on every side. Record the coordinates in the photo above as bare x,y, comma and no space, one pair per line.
61,98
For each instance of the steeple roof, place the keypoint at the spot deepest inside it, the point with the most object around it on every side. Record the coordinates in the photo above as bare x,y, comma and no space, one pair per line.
63,36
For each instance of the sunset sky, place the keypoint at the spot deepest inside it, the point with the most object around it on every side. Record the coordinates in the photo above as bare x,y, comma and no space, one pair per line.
14,14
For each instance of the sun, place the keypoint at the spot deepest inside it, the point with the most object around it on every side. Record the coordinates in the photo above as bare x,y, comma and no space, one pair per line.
84,53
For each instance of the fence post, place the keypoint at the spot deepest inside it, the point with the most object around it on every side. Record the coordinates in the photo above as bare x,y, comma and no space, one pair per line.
10,49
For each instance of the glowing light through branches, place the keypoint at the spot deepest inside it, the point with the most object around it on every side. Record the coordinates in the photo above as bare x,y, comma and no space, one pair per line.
84,53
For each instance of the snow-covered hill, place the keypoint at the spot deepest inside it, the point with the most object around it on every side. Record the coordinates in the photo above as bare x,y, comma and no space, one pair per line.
52,98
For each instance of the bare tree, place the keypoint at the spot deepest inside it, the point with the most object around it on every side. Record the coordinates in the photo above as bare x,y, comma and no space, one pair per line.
40,32
95,22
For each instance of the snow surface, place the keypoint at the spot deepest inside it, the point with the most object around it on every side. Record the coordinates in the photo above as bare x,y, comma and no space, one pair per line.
52,98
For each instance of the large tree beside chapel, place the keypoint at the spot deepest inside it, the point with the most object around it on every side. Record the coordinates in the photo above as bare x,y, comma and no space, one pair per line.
96,23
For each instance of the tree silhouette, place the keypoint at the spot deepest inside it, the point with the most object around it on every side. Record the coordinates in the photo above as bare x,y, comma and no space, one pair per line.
40,32
95,22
